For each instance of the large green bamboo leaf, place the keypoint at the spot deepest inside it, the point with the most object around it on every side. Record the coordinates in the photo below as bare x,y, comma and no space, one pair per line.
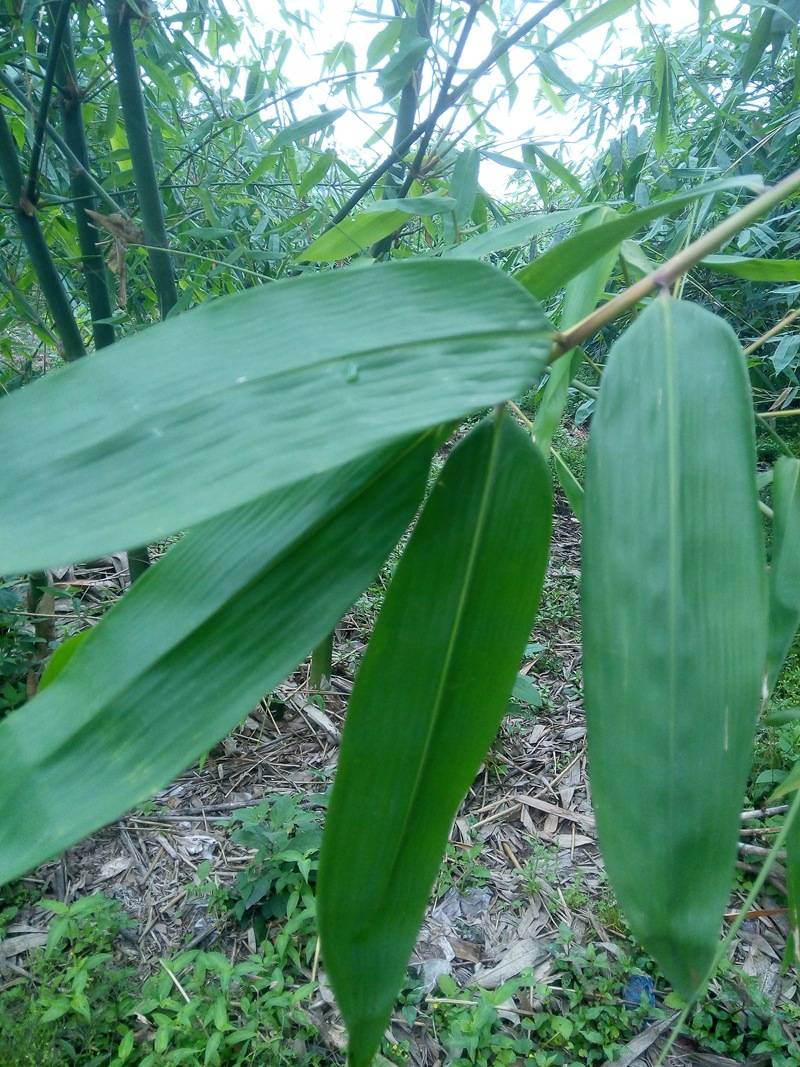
251,392
580,298
674,623
429,697
757,270
550,271
784,573
187,652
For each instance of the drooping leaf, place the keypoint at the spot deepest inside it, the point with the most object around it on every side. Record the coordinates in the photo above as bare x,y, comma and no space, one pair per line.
662,80
384,41
550,271
580,299
784,572
427,702
758,43
598,16
556,167
757,270
410,50
356,233
674,623
251,392
187,652
464,183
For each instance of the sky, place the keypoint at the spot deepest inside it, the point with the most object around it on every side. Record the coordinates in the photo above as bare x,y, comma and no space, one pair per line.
337,20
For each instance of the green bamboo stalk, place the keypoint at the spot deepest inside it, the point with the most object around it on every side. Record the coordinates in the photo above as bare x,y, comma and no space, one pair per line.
119,15
319,674
49,279
94,268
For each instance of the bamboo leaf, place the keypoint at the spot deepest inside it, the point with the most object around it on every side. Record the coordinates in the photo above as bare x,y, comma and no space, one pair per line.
580,298
674,618
356,233
427,702
599,16
61,657
758,44
195,643
555,166
526,691
251,392
550,271
303,128
662,77
757,270
515,233
784,573
789,783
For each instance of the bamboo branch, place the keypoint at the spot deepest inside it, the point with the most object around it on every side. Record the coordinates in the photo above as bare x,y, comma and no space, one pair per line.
430,123
50,281
73,161
787,320
447,81
134,116
406,115
59,28
663,277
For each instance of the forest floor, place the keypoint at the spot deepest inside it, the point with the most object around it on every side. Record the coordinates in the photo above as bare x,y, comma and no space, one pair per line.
524,956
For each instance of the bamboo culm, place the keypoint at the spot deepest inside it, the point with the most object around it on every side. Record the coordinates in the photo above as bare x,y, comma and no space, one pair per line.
48,277
94,269
129,84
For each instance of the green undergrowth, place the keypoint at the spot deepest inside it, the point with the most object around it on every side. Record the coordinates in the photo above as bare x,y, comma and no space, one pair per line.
80,1002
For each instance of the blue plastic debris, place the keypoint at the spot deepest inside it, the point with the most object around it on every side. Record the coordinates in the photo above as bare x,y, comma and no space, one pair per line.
637,988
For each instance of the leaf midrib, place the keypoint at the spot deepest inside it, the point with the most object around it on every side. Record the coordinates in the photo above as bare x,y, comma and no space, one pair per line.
480,525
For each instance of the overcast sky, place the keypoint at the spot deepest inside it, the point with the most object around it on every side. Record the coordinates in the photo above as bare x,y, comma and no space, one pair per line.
337,20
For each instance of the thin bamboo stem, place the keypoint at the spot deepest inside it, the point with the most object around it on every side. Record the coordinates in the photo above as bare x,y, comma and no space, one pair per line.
663,277
447,81
785,321
54,51
452,98
50,281
119,16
